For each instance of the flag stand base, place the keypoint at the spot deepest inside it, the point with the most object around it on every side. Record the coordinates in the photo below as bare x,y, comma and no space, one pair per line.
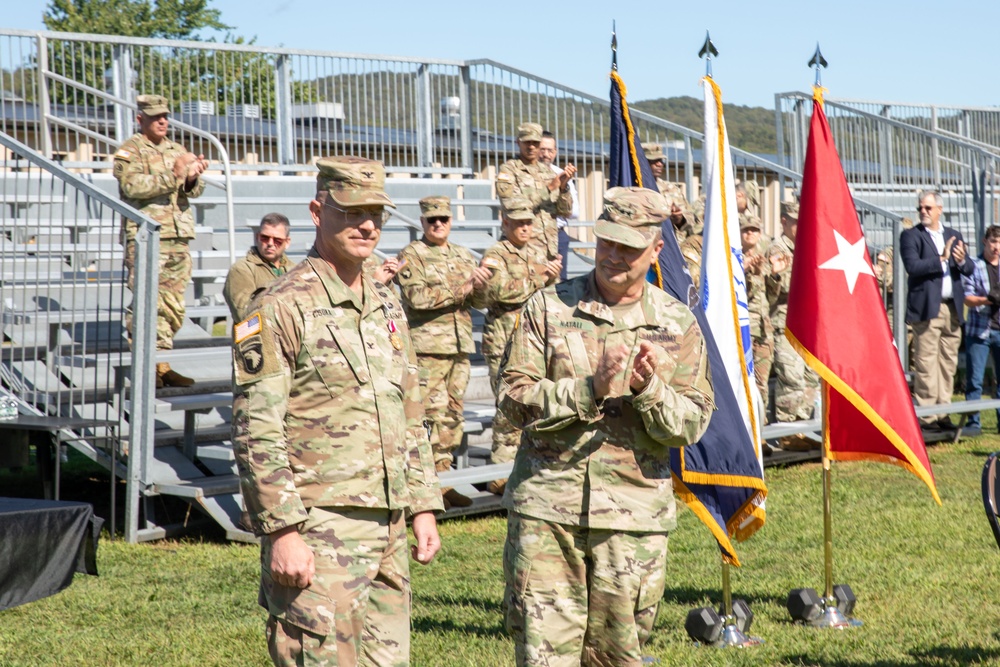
733,637
834,618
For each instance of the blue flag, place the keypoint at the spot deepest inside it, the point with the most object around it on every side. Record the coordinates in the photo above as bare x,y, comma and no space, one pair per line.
720,477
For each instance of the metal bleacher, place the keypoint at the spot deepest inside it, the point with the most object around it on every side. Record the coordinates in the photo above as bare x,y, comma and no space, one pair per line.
51,245
62,290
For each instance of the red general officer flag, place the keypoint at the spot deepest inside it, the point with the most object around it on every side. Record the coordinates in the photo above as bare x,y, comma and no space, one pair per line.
837,322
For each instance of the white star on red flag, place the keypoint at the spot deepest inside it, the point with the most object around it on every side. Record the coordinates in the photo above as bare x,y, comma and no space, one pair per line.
850,259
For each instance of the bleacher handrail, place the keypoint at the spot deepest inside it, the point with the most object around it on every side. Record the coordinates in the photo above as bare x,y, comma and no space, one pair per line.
935,135
141,422
227,187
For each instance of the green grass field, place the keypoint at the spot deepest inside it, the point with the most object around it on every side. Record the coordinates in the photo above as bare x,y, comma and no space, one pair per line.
927,580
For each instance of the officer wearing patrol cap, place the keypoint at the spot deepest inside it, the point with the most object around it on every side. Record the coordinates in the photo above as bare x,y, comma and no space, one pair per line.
158,176
525,176
657,162
329,439
603,373
518,270
436,281
797,385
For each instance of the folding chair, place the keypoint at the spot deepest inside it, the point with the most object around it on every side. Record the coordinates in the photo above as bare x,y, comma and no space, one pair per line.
991,493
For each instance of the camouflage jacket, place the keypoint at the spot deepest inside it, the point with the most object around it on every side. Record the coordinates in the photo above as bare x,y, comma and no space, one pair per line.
248,278
757,303
146,182
691,250
517,179
517,274
601,464
326,407
778,283
669,187
685,230
440,323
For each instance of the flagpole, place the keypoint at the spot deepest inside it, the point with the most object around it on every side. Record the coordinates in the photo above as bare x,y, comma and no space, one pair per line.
827,504
833,616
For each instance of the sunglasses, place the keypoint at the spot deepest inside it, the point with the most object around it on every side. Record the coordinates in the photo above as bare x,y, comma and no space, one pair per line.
357,215
437,219
276,240
925,208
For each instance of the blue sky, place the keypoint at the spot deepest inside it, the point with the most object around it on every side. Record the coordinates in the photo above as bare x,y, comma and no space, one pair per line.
918,52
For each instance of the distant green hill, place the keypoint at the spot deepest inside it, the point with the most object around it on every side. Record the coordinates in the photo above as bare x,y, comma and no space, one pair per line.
750,128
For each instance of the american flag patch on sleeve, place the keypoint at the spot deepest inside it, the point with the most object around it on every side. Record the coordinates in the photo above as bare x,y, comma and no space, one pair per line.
247,328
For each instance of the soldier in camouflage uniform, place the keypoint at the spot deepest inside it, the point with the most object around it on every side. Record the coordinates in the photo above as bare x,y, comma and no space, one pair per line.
692,231
797,385
682,218
249,277
436,284
157,176
883,275
518,271
761,330
657,163
526,177
329,440
604,373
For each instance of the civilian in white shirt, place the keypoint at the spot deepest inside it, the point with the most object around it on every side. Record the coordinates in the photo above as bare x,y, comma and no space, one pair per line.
935,259
547,153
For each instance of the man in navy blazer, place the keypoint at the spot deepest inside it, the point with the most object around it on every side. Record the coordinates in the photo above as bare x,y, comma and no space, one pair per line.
935,259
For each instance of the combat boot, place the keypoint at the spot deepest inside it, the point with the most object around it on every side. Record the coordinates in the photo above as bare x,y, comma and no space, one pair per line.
450,496
497,486
170,378
798,443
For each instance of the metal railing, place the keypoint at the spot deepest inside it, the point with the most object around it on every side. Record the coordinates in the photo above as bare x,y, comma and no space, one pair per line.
63,300
975,125
888,161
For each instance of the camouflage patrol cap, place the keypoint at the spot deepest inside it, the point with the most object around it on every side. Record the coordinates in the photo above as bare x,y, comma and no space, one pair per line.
749,222
529,132
152,105
631,216
517,208
353,181
790,209
753,192
435,207
653,151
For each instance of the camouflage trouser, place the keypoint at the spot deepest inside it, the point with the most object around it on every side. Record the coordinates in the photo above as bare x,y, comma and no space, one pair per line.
580,596
357,609
443,380
798,385
175,274
506,436
763,358
546,238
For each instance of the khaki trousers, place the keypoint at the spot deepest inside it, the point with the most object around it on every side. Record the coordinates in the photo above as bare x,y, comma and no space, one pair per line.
935,358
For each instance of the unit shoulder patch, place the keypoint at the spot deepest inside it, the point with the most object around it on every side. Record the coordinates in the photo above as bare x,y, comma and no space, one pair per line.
255,354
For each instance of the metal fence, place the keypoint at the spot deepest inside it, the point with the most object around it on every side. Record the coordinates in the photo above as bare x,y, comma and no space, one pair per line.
63,302
976,125
888,161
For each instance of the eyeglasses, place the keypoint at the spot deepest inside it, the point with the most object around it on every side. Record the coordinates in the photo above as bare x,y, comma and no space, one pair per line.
276,240
436,219
356,215
925,208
